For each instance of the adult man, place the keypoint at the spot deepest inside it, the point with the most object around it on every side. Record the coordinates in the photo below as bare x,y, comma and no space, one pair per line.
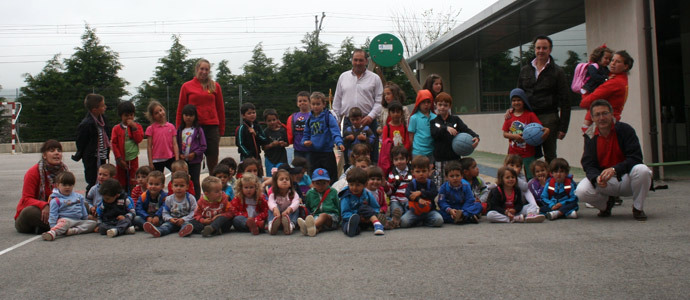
612,161
361,88
544,83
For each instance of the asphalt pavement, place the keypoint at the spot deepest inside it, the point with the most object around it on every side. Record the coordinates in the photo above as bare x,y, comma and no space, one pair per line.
591,257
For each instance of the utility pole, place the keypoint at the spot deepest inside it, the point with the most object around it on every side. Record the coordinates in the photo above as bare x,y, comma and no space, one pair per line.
317,24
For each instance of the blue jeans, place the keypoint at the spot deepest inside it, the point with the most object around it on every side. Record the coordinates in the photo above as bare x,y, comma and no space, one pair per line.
293,217
431,219
396,204
168,228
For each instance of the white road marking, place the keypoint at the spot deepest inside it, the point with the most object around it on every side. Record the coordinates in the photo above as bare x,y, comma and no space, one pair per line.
20,244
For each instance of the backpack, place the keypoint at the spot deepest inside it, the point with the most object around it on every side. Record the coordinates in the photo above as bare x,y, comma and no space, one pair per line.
580,76
417,208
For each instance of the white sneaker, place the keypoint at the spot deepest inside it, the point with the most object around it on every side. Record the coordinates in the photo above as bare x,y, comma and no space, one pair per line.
112,232
535,218
311,225
572,215
130,230
48,235
519,219
587,205
553,215
302,226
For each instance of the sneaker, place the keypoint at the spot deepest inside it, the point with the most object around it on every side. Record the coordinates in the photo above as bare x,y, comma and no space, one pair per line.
535,218
397,215
112,232
352,225
186,230
553,215
609,206
253,228
131,230
587,205
287,225
459,218
572,215
639,214
207,231
48,235
474,219
73,231
382,218
617,201
311,225
519,219
150,228
302,226
275,224
378,229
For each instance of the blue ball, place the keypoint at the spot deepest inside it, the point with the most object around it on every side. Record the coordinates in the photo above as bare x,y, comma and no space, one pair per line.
462,144
532,134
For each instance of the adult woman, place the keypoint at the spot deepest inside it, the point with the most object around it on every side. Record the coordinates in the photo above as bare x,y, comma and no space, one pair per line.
33,209
206,95
615,89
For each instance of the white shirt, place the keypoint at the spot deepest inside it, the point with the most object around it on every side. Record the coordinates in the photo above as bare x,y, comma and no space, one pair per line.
537,71
364,92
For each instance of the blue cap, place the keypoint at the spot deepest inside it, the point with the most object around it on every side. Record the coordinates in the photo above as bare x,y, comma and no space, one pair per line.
320,174
518,92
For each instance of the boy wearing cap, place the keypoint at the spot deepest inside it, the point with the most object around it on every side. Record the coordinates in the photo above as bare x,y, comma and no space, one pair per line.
513,126
323,204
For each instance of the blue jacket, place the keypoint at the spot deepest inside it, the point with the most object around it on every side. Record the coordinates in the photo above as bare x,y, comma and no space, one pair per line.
144,202
322,133
350,204
460,197
122,206
70,206
560,195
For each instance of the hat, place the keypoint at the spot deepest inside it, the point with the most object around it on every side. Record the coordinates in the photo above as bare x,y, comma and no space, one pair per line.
320,174
422,95
518,92
292,171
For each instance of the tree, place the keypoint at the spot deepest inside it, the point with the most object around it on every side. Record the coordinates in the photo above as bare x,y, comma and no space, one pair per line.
5,130
416,31
259,80
230,88
569,69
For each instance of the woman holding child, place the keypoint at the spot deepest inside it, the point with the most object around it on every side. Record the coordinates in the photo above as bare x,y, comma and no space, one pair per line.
33,209
206,95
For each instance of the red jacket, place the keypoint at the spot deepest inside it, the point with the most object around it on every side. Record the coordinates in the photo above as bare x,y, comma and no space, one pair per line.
239,208
30,191
210,109
205,209
117,139
614,90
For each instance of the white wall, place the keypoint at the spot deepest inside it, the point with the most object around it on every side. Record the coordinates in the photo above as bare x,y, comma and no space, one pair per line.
441,68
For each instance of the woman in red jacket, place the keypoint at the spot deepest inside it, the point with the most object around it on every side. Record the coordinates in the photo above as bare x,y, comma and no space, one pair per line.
206,95
33,209
615,89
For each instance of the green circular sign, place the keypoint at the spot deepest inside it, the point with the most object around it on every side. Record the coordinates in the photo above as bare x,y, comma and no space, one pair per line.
386,50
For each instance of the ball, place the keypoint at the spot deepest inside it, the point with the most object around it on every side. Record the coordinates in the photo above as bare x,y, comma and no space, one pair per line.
462,144
532,134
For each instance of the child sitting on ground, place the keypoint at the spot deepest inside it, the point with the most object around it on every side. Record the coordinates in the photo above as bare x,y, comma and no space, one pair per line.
323,205
249,206
361,162
536,185
232,165
357,205
150,202
68,214
470,172
116,212
212,214
283,203
141,175
177,211
374,186
305,181
223,173
559,192
181,165
93,197
514,161
421,192
396,185
455,198
506,203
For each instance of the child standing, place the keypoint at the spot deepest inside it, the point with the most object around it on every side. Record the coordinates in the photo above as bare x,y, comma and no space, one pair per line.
396,129
141,175
421,192
181,165
374,186
249,207
506,203
68,215
93,143
277,141
148,208
116,212
177,211
419,128
396,185
320,133
520,116
433,83
356,133
455,198
536,185
559,195
296,124
391,93
470,172
161,137
358,205
213,214
443,129
93,197
283,203
126,137
223,173
323,204
249,136
192,144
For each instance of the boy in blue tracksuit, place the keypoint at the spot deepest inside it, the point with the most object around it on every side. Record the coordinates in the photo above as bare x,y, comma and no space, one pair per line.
456,199
68,215
320,134
150,203
358,205
558,196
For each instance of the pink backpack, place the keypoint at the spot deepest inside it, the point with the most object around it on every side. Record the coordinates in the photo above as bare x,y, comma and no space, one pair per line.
580,77
385,161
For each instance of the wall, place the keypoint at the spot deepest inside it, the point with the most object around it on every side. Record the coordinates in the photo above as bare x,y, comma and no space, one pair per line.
441,68
68,146
464,80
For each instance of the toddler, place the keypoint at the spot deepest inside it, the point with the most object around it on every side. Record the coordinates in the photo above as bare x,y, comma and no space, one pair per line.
455,198
558,195
283,203
148,208
357,205
177,211
396,185
141,175
421,192
506,203
323,204
116,212
93,197
249,207
213,215
68,215
223,173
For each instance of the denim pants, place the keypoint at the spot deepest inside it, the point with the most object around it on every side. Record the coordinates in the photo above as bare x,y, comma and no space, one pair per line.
168,228
431,219
293,216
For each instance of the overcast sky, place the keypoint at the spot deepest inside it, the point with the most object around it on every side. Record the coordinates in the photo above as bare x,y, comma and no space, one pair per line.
32,31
